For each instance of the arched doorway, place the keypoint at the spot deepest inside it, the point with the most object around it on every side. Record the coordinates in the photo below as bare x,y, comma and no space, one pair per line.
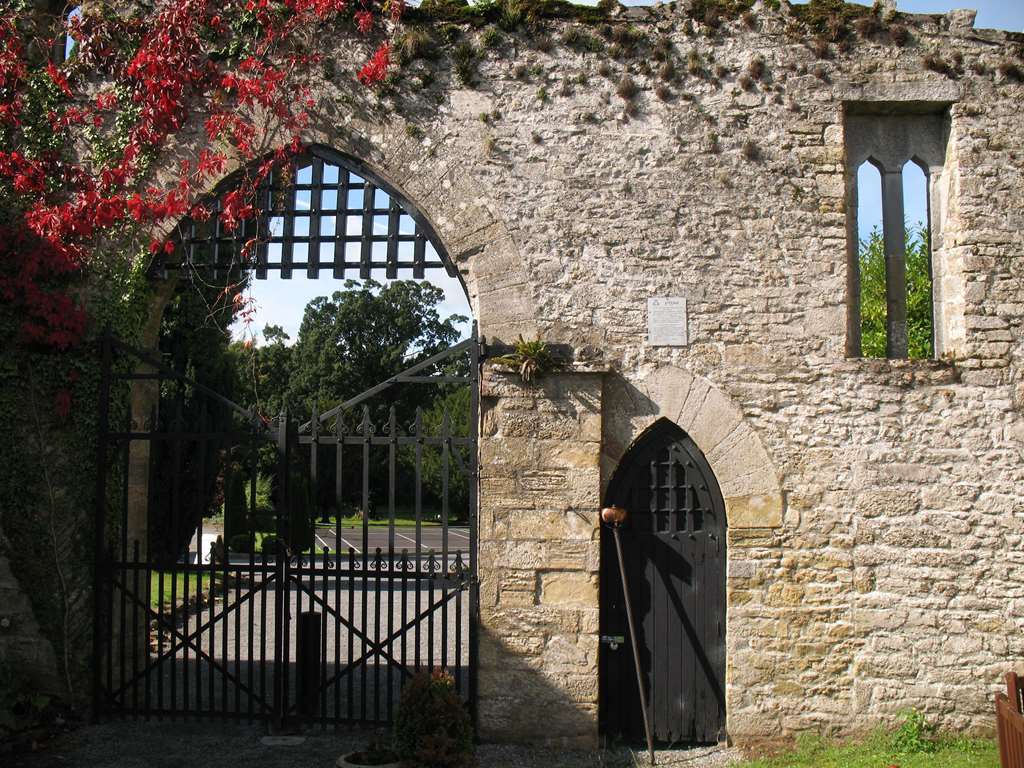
674,549
321,590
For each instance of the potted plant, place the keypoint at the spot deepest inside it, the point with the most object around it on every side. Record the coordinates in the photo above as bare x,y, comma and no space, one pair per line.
432,726
377,753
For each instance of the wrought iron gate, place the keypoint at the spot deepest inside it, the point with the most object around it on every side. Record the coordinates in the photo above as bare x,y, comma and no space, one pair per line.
299,613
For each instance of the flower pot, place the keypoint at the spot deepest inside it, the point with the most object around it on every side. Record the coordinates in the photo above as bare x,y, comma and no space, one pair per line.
350,761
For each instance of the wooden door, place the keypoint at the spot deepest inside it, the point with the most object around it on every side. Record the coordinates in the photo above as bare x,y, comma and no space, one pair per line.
674,548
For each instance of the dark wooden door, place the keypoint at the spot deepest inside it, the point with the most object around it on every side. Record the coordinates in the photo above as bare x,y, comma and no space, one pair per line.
674,549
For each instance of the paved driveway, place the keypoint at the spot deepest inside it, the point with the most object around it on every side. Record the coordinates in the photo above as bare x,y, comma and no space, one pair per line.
130,744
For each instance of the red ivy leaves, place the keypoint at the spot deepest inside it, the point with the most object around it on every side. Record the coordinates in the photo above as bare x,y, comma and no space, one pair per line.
376,69
157,72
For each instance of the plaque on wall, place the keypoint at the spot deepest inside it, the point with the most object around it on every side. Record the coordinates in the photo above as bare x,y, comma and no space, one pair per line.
666,322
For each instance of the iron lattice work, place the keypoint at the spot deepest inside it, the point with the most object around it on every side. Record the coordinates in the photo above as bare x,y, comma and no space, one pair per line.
306,616
323,213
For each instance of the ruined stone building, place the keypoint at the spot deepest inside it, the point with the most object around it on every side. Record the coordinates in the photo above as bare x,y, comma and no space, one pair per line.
861,517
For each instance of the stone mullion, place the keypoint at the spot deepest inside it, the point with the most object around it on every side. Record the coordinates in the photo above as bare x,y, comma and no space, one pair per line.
894,236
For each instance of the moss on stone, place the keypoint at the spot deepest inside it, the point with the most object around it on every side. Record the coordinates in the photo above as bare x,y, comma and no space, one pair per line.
480,14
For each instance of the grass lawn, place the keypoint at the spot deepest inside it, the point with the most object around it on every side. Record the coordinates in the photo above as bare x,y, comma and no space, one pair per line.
154,592
882,751
402,518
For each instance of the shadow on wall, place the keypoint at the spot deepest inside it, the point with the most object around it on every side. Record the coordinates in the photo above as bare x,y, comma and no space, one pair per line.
519,702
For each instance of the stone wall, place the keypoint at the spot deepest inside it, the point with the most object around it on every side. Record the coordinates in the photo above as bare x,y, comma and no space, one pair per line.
875,506
876,515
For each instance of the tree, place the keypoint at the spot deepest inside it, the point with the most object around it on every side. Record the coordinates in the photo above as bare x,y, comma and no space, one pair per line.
363,335
351,341
456,403
919,294
264,371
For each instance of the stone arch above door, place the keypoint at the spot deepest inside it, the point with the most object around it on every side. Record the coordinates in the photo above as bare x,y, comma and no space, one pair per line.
745,471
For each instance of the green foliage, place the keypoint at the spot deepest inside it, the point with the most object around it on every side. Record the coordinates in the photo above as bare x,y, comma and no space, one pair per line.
236,512
528,358
465,57
914,735
47,478
491,37
829,18
508,14
456,403
714,12
919,294
432,727
301,512
175,584
364,335
262,372
415,43
580,40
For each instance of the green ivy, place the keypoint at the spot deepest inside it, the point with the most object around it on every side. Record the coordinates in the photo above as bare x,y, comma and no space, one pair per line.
47,464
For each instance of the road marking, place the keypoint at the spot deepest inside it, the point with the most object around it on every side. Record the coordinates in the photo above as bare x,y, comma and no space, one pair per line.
405,537
347,542
453,532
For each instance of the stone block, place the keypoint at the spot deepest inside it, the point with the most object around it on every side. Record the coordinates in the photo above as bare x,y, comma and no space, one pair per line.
568,589
754,511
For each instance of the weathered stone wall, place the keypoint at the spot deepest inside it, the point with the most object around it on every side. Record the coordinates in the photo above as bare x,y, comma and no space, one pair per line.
876,521
539,558
875,506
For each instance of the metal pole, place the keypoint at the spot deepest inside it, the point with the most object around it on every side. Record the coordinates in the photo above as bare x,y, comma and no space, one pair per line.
615,518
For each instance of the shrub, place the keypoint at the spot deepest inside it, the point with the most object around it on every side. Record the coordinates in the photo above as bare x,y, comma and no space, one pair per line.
415,44
868,25
490,37
914,735
934,62
301,529
694,65
1011,71
579,40
432,727
627,88
756,67
465,56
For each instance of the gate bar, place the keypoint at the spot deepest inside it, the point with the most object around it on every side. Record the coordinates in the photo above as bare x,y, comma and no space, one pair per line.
99,522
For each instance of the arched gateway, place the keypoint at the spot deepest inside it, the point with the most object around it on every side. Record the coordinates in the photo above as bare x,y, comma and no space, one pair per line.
674,552
316,599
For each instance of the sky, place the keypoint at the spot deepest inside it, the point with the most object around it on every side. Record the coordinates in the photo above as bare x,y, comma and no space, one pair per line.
281,302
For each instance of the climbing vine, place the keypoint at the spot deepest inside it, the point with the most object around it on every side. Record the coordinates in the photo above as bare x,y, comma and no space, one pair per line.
186,87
